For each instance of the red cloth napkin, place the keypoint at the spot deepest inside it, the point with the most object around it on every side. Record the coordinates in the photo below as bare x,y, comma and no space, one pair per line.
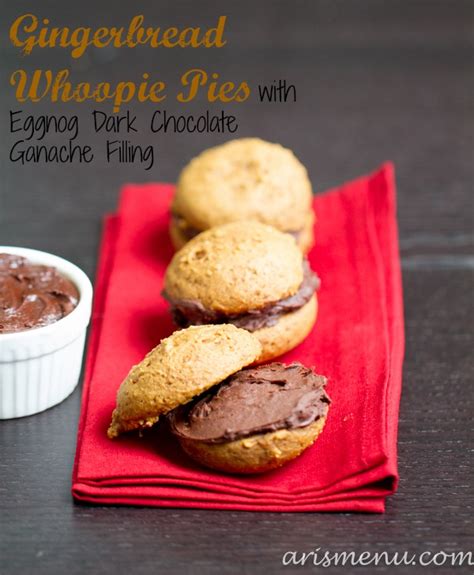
357,343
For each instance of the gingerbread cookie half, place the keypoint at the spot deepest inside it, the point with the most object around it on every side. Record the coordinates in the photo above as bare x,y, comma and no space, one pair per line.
257,420
181,367
244,179
247,274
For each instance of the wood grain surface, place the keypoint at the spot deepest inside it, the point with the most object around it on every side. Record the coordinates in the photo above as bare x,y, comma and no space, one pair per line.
375,80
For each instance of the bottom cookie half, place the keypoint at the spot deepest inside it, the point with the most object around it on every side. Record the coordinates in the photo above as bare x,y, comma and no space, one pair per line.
257,453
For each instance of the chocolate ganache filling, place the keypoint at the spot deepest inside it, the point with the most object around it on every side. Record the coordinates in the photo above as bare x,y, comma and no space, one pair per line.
192,312
253,401
32,295
189,232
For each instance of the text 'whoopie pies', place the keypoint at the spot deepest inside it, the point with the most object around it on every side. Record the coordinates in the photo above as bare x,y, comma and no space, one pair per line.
244,179
252,420
248,274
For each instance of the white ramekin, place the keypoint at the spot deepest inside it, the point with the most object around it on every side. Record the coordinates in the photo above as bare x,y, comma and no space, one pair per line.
40,367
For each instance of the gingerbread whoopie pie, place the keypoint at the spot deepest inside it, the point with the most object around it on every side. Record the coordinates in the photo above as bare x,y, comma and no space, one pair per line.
247,274
256,420
181,367
244,179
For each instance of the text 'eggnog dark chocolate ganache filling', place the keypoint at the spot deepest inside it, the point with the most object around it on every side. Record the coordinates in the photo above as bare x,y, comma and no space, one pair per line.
192,312
32,295
188,231
252,401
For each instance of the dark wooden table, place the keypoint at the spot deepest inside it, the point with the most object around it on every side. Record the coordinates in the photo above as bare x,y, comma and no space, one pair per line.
375,80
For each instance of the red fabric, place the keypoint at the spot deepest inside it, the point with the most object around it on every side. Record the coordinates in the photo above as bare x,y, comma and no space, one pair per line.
357,342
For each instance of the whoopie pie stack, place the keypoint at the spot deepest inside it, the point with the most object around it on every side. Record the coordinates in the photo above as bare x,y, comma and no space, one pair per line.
248,274
244,179
225,415
241,293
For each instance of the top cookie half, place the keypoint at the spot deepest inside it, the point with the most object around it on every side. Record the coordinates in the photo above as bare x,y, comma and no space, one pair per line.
245,179
235,268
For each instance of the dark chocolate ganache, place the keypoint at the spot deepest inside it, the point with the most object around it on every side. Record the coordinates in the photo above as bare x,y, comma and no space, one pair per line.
32,295
192,312
252,401
189,232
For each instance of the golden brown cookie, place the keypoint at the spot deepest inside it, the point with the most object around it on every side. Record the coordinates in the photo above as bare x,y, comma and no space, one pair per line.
182,366
243,179
235,267
257,420
248,274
